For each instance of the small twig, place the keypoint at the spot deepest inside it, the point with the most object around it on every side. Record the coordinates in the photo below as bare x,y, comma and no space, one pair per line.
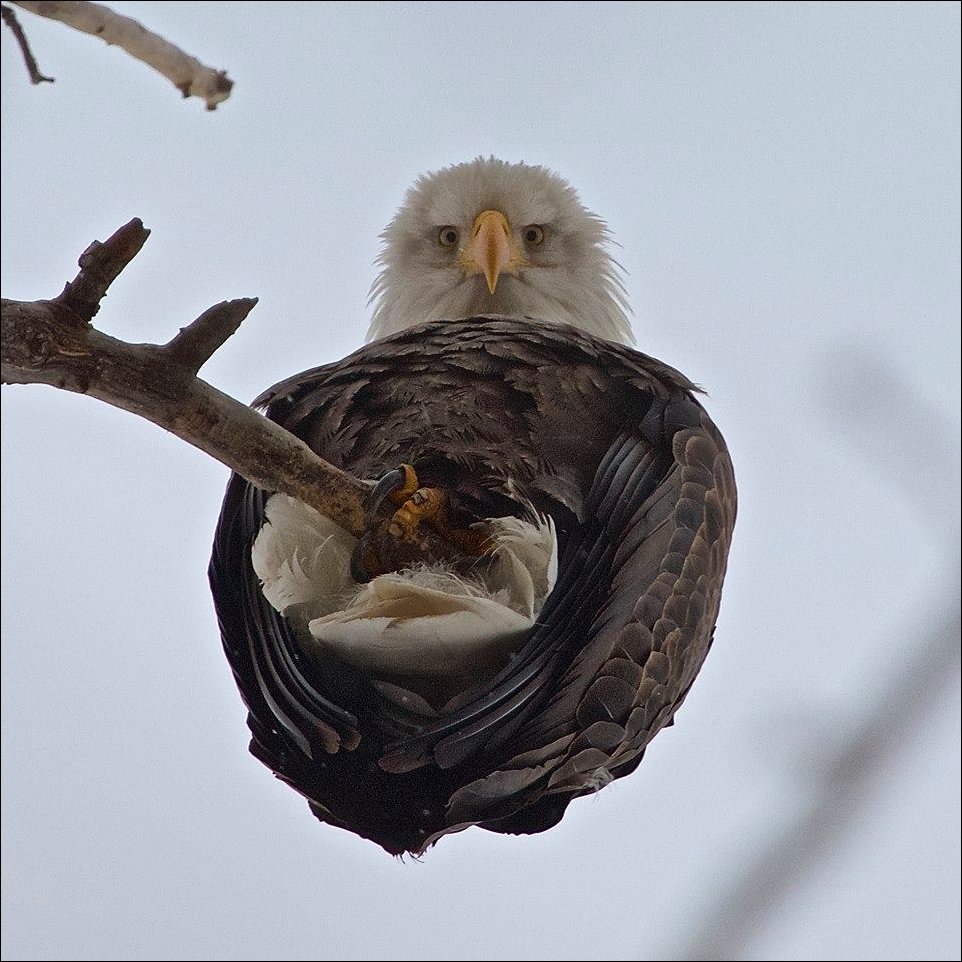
100,265
10,19
196,343
186,73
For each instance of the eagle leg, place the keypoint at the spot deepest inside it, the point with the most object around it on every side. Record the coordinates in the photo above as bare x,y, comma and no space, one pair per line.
397,540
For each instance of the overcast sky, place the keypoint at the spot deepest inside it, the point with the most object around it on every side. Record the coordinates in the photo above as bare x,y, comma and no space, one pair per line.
783,180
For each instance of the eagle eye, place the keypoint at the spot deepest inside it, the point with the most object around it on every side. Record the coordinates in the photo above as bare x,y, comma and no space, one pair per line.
533,234
448,236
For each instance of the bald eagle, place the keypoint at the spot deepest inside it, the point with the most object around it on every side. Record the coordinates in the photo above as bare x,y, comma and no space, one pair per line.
497,400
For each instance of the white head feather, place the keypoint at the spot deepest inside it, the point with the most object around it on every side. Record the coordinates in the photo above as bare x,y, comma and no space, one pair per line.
560,272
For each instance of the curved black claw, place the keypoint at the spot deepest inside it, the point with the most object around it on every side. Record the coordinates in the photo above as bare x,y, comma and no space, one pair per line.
386,486
398,485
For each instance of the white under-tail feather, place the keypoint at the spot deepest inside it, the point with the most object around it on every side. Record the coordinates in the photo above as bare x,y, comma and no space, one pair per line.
426,621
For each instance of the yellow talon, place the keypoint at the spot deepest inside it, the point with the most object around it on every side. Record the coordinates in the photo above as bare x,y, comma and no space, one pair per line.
399,540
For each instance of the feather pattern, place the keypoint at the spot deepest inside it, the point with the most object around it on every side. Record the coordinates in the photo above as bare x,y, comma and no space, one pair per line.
608,443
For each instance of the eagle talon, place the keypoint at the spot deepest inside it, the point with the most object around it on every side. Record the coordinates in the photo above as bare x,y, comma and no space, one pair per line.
423,505
397,539
397,485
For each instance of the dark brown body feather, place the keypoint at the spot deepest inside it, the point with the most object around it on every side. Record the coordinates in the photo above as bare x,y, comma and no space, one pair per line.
610,443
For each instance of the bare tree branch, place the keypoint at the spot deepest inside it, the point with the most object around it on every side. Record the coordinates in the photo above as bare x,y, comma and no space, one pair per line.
52,342
10,19
186,73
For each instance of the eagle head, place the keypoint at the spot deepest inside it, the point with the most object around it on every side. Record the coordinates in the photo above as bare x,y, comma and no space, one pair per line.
490,237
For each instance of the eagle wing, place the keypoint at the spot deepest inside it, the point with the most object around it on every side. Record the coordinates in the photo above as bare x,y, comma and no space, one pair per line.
616,449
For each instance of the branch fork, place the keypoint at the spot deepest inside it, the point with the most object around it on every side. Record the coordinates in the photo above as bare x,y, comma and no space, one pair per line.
53,342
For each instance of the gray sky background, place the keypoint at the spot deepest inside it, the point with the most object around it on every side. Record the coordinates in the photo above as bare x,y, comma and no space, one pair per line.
784,182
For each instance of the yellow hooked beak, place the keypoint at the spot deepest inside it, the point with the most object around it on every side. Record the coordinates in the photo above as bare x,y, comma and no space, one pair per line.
491,250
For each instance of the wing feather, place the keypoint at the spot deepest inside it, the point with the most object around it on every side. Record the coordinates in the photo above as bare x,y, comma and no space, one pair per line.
640,487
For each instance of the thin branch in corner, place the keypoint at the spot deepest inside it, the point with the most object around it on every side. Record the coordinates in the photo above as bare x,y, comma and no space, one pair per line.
186,73
33,69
